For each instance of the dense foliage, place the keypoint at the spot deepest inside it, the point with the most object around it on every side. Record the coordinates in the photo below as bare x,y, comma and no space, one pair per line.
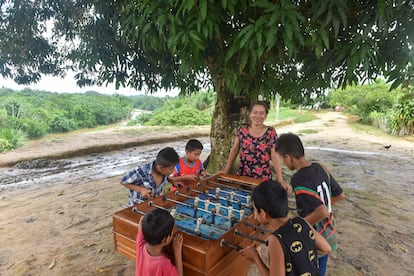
37,113
181,111
375,104
149,103
256,47
31,114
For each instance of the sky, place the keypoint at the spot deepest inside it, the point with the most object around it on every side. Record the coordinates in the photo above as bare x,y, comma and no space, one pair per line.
68,85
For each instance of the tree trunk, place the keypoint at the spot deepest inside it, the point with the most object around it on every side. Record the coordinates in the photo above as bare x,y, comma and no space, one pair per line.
229,112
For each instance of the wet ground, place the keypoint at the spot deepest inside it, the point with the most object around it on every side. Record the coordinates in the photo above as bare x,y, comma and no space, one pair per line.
45,172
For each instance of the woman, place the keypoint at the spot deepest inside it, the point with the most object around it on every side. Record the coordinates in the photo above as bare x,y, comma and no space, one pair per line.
256,144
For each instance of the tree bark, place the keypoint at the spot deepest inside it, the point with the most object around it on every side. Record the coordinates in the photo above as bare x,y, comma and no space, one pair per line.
229,112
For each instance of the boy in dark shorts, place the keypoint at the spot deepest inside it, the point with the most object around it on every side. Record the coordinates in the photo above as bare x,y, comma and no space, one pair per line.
293,244
315,190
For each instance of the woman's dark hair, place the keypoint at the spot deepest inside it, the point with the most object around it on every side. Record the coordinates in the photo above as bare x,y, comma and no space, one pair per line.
156,225
271,197
265,104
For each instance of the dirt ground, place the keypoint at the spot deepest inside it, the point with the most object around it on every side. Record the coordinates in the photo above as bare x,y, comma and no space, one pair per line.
66,229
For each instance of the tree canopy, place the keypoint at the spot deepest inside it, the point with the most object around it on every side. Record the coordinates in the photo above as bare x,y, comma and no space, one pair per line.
241,48
256,47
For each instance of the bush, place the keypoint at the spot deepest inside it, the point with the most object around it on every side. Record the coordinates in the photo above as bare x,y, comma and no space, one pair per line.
35,129
11,139
62,124
402,119
182,116
141,119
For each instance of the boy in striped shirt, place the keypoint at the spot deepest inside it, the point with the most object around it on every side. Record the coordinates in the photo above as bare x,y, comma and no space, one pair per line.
315,190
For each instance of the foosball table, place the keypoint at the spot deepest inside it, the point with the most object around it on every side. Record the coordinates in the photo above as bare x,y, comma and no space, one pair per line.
215,217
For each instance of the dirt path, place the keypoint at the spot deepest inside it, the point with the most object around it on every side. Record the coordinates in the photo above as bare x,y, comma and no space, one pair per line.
65,229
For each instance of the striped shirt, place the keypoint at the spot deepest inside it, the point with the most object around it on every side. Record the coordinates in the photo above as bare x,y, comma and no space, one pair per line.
314,186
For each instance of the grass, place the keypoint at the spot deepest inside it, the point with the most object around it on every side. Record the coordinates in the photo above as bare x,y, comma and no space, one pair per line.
307,131
354,122
369,129
298,116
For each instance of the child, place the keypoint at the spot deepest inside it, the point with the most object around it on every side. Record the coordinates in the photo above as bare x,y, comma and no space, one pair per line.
315,190
155,231
293,243
150,179
190,167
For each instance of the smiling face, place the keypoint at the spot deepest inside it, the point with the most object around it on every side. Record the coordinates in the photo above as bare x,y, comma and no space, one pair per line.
258,114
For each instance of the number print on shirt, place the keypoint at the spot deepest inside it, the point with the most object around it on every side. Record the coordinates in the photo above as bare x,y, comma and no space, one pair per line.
324,194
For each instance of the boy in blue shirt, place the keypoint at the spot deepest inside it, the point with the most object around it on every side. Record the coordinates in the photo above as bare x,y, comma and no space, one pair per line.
149,179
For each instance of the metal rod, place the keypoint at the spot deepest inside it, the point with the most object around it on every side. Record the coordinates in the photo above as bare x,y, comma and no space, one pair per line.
244,205
233,182
164,198
212,203
204,221
237,232
135,210
258,227
177,192
233,246
223,198
150,203
194,232
227,186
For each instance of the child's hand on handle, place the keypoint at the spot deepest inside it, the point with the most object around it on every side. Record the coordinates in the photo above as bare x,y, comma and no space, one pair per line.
140,222
250,253
146,193
177,242
190,177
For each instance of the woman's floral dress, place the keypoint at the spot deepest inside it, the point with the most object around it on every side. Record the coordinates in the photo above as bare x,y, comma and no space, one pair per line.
255,153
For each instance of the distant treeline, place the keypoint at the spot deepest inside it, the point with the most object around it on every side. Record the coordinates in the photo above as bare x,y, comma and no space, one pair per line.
32,113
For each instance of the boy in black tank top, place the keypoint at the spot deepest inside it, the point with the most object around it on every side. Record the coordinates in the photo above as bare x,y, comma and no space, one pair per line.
294,244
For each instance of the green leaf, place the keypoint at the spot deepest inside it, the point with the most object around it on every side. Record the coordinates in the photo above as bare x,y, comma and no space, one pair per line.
248,34
244,57
203,9
230,53
318,50
274,19
335,23
324,37
271,37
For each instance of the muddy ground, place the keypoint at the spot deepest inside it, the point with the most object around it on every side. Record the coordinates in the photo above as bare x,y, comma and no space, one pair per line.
56,213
